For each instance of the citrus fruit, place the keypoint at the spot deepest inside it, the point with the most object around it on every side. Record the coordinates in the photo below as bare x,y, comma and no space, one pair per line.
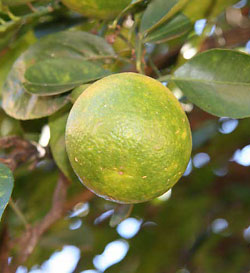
127,138
101,9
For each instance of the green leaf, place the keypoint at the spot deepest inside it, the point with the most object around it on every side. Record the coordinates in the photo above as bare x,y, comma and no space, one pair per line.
6,186
66,44
176,27
12,54
83,43
218,82
19,104
16,2
8,31
158,12
57,124
56,76
121,212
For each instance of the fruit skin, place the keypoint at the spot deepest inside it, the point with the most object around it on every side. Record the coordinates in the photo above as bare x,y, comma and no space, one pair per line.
100,9
127,138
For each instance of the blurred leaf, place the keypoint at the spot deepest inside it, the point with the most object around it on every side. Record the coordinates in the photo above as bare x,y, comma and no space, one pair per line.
121,212
56,76
9,126
66,236
16,2
200,136
6,186
197,9
7,32
12,53
158,12
212,81
40,183
57,124
176,27
77,92
220,6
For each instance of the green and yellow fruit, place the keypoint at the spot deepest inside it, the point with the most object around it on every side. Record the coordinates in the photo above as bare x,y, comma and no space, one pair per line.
101,9
127,138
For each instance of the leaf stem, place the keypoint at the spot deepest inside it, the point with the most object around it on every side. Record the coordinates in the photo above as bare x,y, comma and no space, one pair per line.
154,67
139,54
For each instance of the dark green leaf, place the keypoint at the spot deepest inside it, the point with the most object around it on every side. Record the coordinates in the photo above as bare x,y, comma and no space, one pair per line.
121,212
81,43
6,186
218,82
12,53
19,104
158,12
57,124
176,27
56,76
73,44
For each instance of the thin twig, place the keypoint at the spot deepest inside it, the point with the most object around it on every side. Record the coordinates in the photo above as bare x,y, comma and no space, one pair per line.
139,55
28,241
154,67
19,213
22,151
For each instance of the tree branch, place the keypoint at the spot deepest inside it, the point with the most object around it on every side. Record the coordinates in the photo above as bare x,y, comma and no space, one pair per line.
23,151
29,239
4,249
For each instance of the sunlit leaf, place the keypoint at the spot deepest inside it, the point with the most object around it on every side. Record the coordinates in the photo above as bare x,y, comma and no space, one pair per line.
197,9
159,11
176,27
6,186
218,82
56,76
